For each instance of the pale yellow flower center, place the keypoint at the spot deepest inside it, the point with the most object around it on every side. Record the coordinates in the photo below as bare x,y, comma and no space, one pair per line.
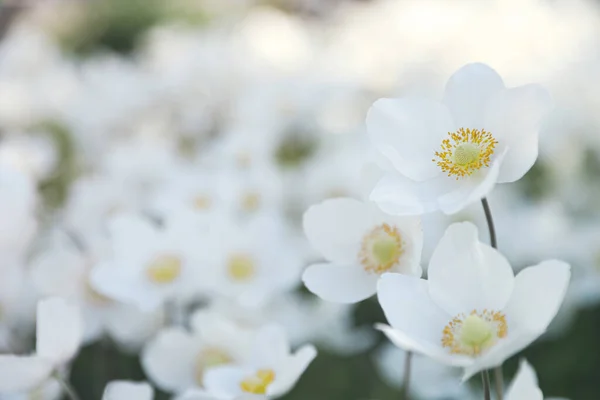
381,249
201,202
465,151
259,382
208,358
251,201
474,333
241,267
164,269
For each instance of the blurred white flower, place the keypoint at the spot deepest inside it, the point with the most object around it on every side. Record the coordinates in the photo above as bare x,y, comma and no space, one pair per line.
360,243
150,264
177,360
472,311
58,337
33,155
272,369
429,379
127,390
195,394
525,385
444,156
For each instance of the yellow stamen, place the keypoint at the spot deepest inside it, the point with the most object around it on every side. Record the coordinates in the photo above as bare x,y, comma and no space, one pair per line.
465,151
381,249
164,269
474,333
259,382
241,267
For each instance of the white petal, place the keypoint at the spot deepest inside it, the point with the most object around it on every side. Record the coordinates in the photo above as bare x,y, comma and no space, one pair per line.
21,373
271,346
525,385
287,376
398,195
126,390
131,236
225,381
336,227
514,118
468,91
168,360
59,329
471,189
408,132
340,283
538,293
419,322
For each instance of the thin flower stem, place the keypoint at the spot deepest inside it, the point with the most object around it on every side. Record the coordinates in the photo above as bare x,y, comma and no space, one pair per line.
406,379
485,377
498,374
69,390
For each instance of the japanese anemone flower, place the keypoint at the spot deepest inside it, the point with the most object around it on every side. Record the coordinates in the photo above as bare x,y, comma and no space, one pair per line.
446,155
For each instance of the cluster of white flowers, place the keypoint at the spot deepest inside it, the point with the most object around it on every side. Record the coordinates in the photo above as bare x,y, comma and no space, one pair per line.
170,202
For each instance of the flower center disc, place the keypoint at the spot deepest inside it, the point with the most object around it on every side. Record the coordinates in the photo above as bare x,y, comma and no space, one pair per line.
381,249
474,333
465,151
259,382
241,267
164,269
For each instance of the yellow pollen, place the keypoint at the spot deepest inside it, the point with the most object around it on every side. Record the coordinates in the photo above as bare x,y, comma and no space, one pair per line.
164,269
259,382
465,151
381,249
474,333
208,358
201,202
241,267
251,201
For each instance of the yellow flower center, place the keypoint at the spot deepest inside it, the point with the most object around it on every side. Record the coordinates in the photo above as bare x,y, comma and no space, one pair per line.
381,249
208,358
474,333
164,269
465,151
251,201
241,267
201,202
259,382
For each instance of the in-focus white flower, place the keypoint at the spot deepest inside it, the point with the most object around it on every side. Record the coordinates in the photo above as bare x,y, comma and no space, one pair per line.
429,379
177,360
443,156
472,311
195,394
359,243
272,369
150,264
525,385
58,337
127,390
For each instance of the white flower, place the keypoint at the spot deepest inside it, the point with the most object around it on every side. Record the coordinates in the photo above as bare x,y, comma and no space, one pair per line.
252,260
525,385
472,312
202,395
126,390
58,336
176,360
359,243
443,156
429,379
272,369
150,264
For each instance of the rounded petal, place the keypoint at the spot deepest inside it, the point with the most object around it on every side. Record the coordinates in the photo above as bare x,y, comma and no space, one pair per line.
525,385
22,373
225,381
465,274
169,358
340,283
335,228
126,390
468,91
271,346
417,320
538,293
59,329
287,376
514,118
408,132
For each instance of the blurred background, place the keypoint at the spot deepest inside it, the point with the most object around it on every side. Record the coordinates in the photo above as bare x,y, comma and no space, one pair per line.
108,105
